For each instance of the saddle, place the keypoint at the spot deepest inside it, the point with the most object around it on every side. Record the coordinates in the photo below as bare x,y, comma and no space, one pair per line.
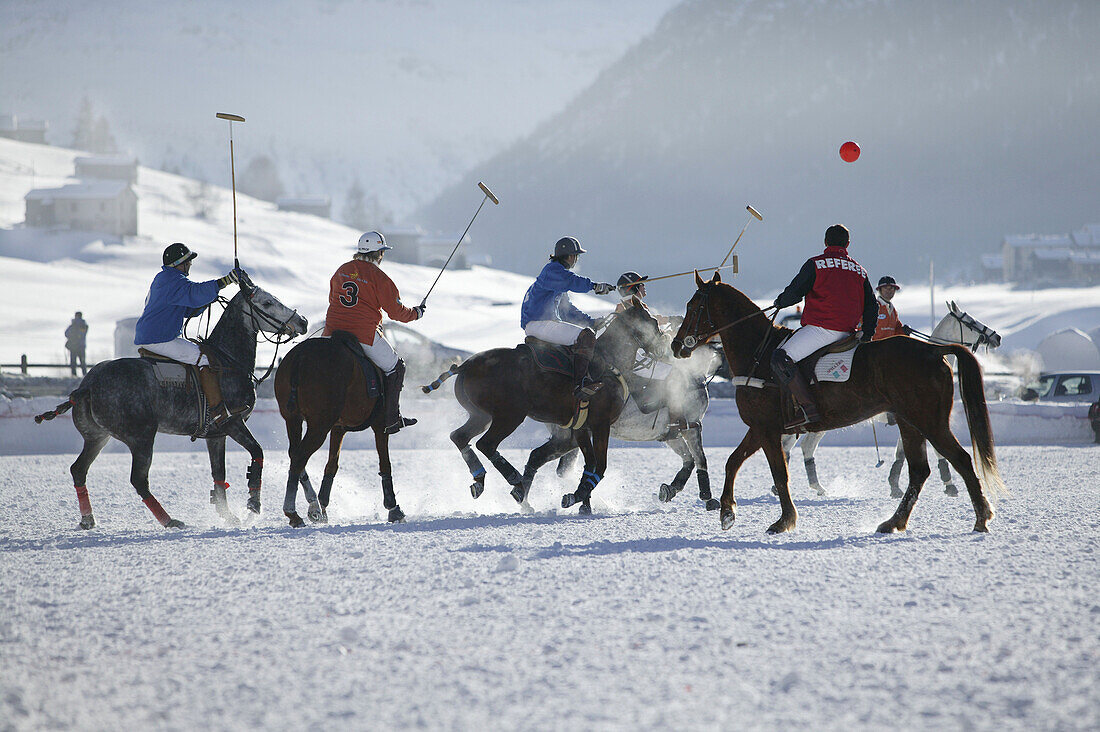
831,363
173,374
549,356
372,375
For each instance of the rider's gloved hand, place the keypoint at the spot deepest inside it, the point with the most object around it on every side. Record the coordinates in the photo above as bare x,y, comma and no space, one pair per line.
230,278
602,288
419,310
865,337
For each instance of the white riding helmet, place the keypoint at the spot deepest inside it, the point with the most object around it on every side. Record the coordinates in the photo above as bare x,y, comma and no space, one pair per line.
372,241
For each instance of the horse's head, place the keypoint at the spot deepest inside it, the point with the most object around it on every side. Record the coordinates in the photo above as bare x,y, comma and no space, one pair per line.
268,314
970,331
698,325
636,327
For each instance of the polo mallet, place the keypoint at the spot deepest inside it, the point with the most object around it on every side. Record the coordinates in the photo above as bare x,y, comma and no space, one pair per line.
875,435
231,118
678,274
758,217
488,197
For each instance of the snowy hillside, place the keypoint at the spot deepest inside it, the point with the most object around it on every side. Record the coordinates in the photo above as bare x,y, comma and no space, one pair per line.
975,119
45,278
406,96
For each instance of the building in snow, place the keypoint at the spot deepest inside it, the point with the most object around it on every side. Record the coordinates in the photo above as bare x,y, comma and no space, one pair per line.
316,205
108,206
1052,259
107,167
23,130
1069,350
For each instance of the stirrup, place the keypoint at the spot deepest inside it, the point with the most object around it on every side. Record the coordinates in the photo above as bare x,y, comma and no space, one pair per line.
809,415
587,391
214,420
400,424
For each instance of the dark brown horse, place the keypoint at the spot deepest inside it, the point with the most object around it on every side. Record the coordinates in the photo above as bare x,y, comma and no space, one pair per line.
900,374
502,387
321,383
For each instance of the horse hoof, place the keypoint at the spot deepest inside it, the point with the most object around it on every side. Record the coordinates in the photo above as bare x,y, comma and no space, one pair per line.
526,507
295,520
818,490
951,490
519,492
477,488
315,513
981,526
174,524
889,527
397,516
585,509
666,493
896,493
713,504
568,500
727,518
87,522
780,527
230,519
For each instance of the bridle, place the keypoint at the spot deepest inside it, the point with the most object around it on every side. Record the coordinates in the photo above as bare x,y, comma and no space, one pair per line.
690,342
985,334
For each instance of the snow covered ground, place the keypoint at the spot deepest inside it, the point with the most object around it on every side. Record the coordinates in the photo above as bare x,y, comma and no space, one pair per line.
474,616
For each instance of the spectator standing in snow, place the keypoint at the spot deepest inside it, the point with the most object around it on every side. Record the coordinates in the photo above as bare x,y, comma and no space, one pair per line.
76,337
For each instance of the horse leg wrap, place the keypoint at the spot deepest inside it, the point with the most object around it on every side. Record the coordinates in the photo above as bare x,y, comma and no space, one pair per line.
704,485
389,500
895,472
326,489
307,488
83,501
476,468
291,492
945,471
510,474
811,471
254,473
158,511
217,493
588,483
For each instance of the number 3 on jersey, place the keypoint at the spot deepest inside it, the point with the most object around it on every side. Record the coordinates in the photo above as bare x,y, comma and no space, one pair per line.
350,296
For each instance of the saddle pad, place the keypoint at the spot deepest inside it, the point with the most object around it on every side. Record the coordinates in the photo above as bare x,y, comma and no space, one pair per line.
835,366
372,375
170,373
550,357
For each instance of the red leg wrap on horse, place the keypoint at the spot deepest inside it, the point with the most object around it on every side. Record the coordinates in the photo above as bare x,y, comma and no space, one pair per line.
222,484
82,499
158,511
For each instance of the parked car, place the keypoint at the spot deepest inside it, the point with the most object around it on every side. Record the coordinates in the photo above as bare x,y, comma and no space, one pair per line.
1064,386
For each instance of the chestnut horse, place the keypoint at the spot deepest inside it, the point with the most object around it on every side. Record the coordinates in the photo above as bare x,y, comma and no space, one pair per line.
900,374
321,383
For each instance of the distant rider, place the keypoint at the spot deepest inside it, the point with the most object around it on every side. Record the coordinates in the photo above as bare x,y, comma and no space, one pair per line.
548,315
631,287
358,293
888,322
838,295
173,298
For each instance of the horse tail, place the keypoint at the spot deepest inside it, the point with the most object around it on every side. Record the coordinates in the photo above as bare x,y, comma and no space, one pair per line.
977,418
455,368
60,408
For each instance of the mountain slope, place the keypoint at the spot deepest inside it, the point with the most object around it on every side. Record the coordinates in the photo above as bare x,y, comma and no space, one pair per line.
976,119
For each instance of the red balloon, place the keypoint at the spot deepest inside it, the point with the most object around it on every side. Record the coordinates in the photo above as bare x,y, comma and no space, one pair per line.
849,152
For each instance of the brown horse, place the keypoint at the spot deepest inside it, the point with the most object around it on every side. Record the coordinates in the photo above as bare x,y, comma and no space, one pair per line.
900,374
502,387
320,382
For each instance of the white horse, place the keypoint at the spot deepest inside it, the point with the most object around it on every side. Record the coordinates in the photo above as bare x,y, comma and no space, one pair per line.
955,327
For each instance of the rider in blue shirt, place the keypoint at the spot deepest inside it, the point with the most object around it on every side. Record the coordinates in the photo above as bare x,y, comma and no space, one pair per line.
548,315
172,298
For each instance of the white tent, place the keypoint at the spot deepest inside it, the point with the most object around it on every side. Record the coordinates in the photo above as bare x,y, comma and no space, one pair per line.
1069,350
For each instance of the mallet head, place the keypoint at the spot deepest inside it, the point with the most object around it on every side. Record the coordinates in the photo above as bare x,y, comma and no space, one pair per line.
755,213
485,189
230,117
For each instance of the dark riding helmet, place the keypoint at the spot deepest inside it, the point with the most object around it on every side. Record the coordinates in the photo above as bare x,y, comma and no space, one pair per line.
176,254
629,283
887,281
567,246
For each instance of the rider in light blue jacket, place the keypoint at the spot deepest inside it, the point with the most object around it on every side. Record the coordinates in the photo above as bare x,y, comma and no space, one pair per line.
548,315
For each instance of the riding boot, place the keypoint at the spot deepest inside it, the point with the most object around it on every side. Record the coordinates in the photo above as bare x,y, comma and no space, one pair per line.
583,349
391,385
801,391
216,412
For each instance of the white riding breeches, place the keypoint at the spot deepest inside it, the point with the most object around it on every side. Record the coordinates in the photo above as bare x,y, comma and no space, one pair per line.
809,338
554,331
381,354
180,349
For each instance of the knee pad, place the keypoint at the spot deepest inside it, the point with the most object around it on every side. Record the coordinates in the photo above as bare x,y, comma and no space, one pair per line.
782,365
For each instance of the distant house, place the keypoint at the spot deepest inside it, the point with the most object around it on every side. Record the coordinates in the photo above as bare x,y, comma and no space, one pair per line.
316,205
993,267
108,206
23,130
107,167
1037,258
405,241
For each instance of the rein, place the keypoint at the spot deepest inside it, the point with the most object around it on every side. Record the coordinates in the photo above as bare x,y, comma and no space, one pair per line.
691,341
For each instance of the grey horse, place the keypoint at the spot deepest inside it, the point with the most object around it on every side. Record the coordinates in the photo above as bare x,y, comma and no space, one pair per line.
124,399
